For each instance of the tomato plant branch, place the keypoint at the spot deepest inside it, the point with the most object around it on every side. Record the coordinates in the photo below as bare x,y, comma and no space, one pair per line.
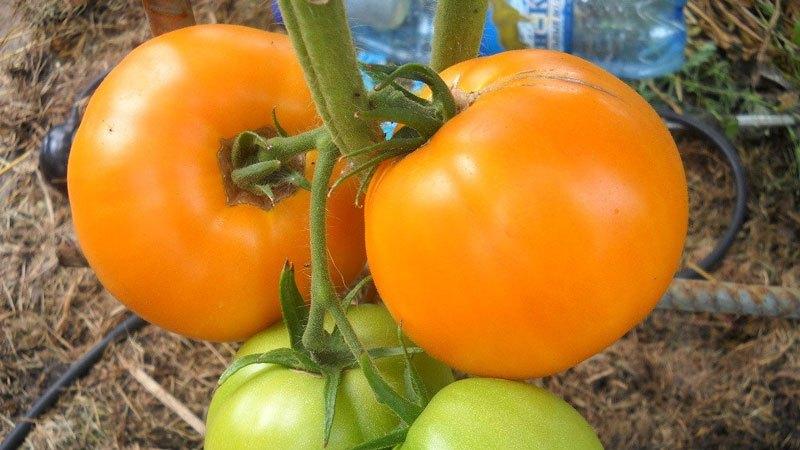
324,299
323,295
457,31
321,37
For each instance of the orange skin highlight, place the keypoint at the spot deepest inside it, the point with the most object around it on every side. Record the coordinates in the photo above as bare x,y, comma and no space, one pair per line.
537,226
147,196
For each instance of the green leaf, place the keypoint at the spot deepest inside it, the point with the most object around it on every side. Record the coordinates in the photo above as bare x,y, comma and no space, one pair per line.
286,357
278,128
332,379
294,309
406,410
415,387
351,296
390,440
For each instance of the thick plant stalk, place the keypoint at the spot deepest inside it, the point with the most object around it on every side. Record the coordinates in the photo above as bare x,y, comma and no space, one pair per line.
321,37
457,31
167,15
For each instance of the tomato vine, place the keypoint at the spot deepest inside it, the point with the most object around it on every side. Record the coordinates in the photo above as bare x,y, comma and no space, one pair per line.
321,38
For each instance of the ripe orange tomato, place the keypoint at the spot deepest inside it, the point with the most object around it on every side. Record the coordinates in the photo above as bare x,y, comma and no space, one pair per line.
537,226
147,194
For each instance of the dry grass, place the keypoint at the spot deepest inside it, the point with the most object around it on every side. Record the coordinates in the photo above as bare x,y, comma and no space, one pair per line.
677,380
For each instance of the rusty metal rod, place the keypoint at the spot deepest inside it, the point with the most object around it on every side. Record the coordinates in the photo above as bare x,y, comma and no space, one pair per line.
732,298
167,15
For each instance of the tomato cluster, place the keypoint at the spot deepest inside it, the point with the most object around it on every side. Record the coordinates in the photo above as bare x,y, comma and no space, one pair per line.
532,230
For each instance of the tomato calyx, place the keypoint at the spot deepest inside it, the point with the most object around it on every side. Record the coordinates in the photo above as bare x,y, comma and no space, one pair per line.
390,101
331,357
267,163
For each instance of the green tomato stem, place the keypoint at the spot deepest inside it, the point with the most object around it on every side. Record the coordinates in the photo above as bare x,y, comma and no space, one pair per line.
283,148
321,37
457,31
323,295
322,40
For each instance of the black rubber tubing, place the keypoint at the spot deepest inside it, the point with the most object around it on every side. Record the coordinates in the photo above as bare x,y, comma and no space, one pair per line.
78,369
716,137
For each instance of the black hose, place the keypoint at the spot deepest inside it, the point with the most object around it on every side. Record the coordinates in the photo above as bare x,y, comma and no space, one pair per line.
54,152
714,136
78,369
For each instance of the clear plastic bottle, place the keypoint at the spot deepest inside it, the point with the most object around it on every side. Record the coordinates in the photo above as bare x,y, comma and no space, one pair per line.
405,32
630,38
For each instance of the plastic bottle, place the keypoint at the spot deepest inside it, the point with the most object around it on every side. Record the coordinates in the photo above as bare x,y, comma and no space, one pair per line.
630,38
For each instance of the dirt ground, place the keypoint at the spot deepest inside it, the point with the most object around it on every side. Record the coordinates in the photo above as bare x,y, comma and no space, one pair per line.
676,381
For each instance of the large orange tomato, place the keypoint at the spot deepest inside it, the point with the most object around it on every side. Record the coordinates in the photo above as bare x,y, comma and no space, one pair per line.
147,193
537,226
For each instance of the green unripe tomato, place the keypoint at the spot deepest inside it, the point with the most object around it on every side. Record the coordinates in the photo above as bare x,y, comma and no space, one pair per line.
487,413
270,406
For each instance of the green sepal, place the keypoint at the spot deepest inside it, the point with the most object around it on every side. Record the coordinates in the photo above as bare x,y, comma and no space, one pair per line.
389,440
439,91
389,352
380,72
285,357
377,72
391,149
340,355
394,142
351,296
265,190
253,173
293,307
343,359
405,409
245,146
332,380
278,128
415,387
295,178
363,184
420,118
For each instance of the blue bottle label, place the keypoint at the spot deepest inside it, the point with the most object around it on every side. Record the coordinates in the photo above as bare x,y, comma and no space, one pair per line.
528,23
